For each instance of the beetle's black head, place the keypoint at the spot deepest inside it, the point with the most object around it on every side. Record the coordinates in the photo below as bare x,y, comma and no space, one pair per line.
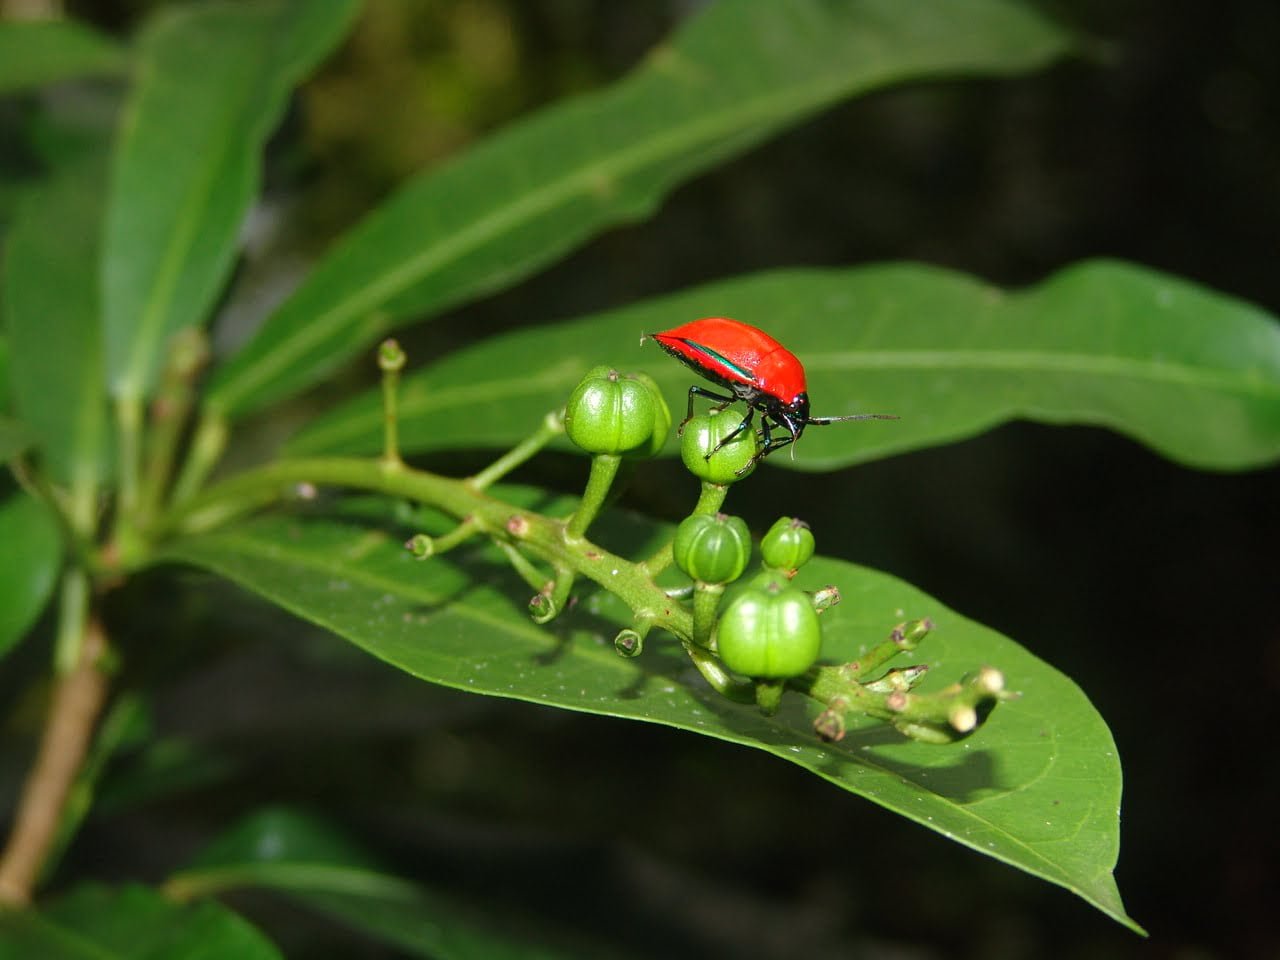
792,416
799,410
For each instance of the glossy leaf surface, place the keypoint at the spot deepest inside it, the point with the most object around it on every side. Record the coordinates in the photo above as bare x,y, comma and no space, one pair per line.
212,83
1190,372
310,862
735,74
129,923
50,300
30,554
1038,787
43,51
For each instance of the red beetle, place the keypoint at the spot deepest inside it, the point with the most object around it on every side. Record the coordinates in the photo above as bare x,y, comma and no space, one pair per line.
757,369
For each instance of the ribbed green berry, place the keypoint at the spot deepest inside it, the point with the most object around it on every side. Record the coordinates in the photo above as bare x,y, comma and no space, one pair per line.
661,418
615,414
712,549
788,545
699,439
769,633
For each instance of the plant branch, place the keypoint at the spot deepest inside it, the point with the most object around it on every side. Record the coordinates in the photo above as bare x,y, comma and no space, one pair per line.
78,698
551,427
206,447
541,536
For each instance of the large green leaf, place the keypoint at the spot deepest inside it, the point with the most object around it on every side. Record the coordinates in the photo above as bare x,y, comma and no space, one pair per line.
735,74
212,82
129,923
30,553
13,438
309,861
42,51
13,435
1037,787
49,291
1193,373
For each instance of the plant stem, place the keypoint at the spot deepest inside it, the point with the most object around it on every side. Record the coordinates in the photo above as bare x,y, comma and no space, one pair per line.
169,412
706,598
604,467
129,453
78,698
544,537
73,608
721,680
391,360
206,447
552,426
710,499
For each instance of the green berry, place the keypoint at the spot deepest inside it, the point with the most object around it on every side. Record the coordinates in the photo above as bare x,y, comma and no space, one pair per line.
733,461
661,418
712,549
769,633
788,545
614,414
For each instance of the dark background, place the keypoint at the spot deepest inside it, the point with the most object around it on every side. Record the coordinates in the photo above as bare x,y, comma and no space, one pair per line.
1151,585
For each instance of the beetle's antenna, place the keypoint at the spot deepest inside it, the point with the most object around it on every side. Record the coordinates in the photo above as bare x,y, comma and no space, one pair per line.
823,421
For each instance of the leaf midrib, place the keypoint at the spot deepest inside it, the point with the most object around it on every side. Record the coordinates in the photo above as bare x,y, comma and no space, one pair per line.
1045,361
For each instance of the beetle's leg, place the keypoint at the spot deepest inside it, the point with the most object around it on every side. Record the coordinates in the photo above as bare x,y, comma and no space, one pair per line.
746,422
770,443
696,391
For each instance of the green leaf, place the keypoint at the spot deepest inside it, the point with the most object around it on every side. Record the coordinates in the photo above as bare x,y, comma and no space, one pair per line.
734,75
1192,373
129,923
309,861
30,555
1037,787
37,52
4,373
49,291
13,438
212,82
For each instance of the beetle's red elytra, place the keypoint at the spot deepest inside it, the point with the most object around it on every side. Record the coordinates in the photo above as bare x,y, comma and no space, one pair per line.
756,369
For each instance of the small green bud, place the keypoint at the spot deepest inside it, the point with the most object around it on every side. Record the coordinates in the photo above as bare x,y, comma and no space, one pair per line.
420,545
788,545
391,357
769,633
542,607
733,461
628,643
712,549
907,636
618,415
